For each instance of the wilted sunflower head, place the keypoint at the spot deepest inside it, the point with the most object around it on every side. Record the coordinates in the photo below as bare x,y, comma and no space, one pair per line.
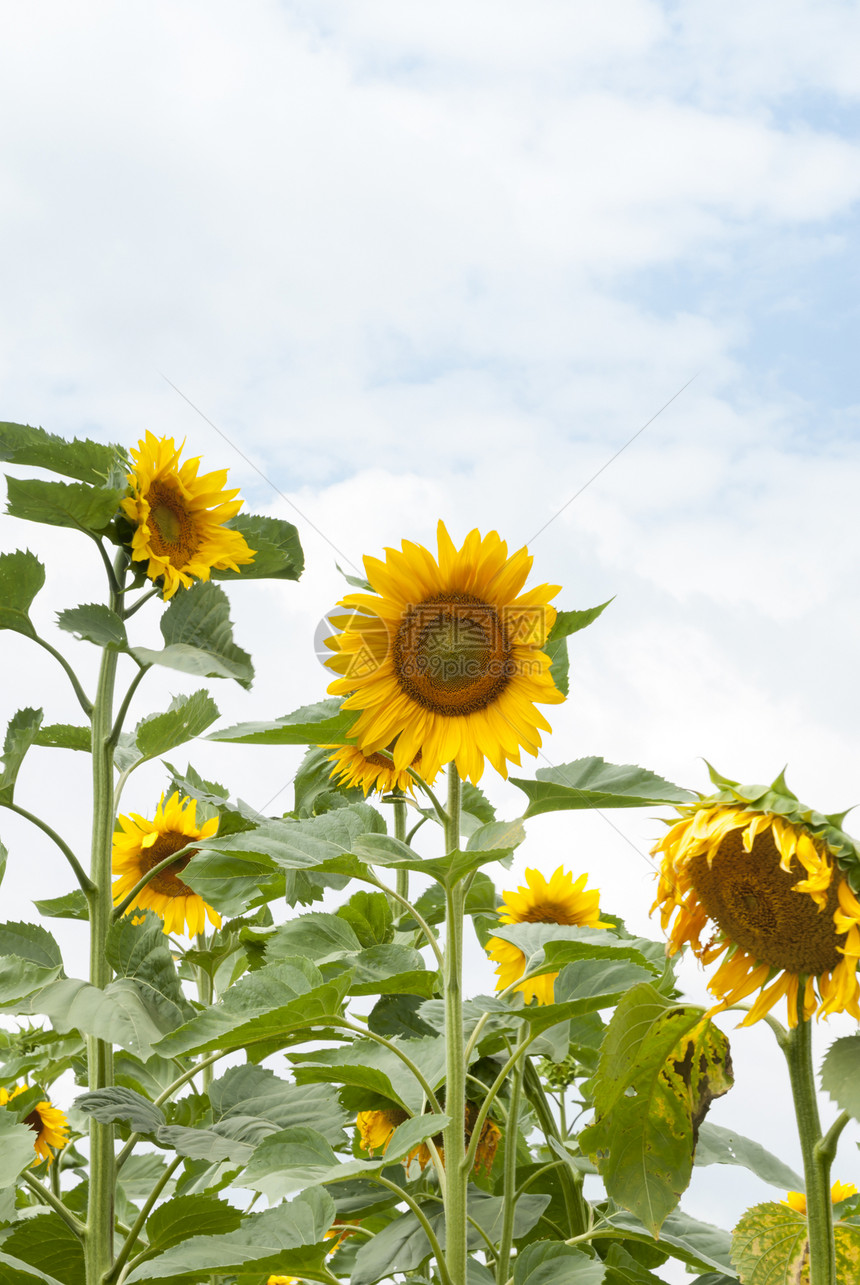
559,900
179,518
375,1129
48,1123
140,845
371,771
445,657
772,881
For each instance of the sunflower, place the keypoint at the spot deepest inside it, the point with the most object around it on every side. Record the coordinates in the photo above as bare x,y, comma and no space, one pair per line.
179,517
444,658
562,900
376,1127
771,875
143,844
47,1122
371,771
796,1200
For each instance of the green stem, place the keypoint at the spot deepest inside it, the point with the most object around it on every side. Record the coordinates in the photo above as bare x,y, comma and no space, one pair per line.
423,1220
206,994
98,1244
509,1191
80,874
83,700
413,914
48,1197
457,1175
816,1157
126,701
577,1207
145,1211
400,833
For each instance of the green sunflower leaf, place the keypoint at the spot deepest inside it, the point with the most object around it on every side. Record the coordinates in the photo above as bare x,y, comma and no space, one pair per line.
277,551
375,1071
84,460
198,637
770,1242
140,952
321,724
72,905
64,736
64,504
21,1273
49,1245
293,1159
22,575
250,1092
125,1105
20,735
840,1074
290,1237
698,1244
719,1146
186,1216
16,1148
119,1013
661,1064
185,718
369,916
592,783
548,1262
584,987
261,1012
95,623
567,623
551,946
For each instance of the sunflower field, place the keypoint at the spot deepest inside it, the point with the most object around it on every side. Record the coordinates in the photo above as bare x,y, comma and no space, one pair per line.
278,1068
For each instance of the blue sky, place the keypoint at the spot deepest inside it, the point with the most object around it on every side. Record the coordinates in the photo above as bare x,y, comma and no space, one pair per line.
420,261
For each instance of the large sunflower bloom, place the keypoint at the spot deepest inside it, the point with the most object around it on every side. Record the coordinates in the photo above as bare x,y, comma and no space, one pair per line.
179,517
142,844
375,1129
371,771
48,1123
562,900
445,655
765,871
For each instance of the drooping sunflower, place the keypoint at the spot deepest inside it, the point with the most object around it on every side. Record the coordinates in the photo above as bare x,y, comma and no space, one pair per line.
796,1200
48,1123
445,657
143,844
179,517
774,878
561,900
375,1129
371,771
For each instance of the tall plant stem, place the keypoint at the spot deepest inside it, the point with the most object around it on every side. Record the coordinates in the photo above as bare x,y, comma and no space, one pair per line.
98,1243
509,1189
400,833
817,1155
206,994
576,1206
457,1176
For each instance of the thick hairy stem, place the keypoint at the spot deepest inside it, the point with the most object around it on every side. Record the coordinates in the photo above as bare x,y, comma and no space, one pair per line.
503,1258
206,994
98,1245
400,833
100,1211
816,1157
457,1175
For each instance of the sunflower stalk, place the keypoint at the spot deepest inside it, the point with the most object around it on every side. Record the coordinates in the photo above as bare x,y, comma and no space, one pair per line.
98,1242
400,833
576,1206
206,995
457,1175
817,1155
503,1258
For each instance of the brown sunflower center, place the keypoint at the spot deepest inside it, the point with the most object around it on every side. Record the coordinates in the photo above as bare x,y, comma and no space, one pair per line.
172,533
545,913
755,904
167,880
452,655
34,1120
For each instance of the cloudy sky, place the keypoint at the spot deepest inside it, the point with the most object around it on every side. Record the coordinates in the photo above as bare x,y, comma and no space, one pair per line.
411,261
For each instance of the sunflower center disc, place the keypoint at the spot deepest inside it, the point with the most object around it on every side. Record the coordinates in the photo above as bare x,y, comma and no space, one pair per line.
172,533
34,1120
544,913
754,903
452,655
167,880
